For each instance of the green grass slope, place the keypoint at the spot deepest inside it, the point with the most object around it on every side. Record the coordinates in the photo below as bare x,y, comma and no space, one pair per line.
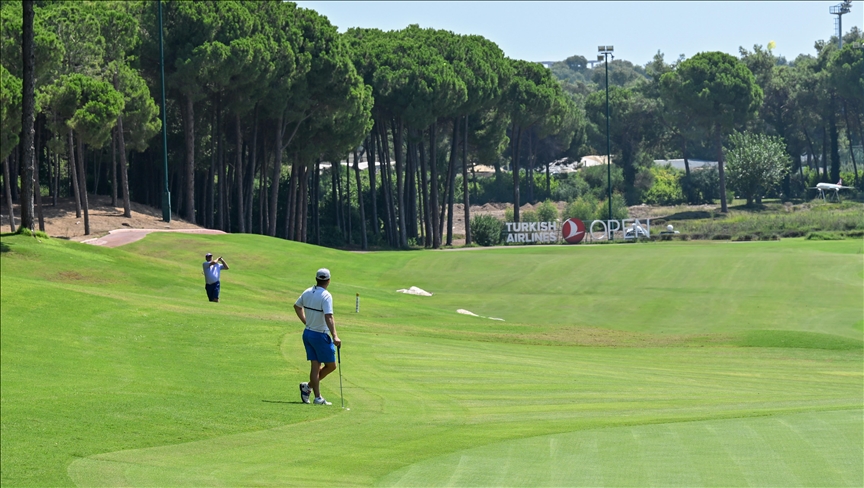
117,371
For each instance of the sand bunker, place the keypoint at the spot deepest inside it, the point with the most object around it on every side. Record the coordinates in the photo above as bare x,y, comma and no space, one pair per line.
415,291
467,312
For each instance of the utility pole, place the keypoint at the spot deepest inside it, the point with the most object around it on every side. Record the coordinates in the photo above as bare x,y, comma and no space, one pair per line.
166,195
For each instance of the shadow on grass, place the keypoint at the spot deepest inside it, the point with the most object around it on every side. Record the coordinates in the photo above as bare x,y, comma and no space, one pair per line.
4,247
280,401
755,208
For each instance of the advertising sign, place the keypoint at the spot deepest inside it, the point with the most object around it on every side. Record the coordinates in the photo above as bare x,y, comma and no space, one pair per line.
532,232
574,231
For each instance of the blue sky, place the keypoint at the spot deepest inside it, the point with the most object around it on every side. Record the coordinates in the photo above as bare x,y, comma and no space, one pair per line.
552,31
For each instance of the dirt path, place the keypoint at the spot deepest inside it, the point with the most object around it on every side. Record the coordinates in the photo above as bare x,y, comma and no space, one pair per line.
119,237
107,224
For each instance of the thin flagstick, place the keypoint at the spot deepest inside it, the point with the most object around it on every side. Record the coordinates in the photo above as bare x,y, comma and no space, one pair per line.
339,358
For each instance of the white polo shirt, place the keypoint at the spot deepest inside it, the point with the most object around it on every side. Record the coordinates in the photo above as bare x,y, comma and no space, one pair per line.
212,272
316,301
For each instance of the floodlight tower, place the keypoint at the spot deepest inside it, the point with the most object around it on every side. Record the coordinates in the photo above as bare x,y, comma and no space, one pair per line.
604,53
839,10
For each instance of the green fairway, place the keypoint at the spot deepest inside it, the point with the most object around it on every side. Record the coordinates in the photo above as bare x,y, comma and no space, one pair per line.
721,364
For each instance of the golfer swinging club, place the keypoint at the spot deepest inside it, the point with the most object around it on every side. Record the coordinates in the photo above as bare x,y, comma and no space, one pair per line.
212,269
315,309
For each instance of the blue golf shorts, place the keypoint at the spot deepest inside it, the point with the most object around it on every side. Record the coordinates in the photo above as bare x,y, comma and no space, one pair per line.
212,291
319,347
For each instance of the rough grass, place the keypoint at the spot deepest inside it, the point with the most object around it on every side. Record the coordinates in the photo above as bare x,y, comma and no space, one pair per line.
771,221
117,371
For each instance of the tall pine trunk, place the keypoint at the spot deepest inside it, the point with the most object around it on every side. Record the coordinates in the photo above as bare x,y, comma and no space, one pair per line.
433,182
425,191
687,170
849,139
411,186
337,198
316,198
253,169
386,184
189,212
372,177
209,187
721,169
529,168
228,169
37,159
301,206
466,201
451,180
400,181
222,175
56,193
124,168
347,197
274,179
290,206
238,174
114,167
262,194
8,189
73,174
835,141
824,154
82,175
364,244
28,112
517,147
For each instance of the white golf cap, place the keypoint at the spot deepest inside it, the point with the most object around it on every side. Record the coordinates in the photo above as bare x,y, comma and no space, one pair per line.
323,274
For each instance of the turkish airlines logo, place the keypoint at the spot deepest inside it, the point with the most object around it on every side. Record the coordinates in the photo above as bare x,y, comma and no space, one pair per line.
573,231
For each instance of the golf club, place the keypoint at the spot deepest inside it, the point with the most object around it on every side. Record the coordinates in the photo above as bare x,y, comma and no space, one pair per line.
339,359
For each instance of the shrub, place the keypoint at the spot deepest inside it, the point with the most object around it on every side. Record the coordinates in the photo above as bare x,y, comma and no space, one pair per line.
825,236
596,177
583,208
570,187
547,212
702,186
666,189
756,164
486,230
619,208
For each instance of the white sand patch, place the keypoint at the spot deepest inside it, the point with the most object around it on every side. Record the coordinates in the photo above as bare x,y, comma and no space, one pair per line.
466,312
415,291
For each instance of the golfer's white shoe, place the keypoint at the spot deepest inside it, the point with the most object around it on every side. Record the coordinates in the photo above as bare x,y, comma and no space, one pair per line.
321,401
304,392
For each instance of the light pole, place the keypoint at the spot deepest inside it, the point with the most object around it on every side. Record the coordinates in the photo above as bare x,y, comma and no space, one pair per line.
605,52
166,195
839,10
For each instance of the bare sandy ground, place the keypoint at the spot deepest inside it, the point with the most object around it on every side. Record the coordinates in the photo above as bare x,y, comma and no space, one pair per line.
109,227
494,209
60,221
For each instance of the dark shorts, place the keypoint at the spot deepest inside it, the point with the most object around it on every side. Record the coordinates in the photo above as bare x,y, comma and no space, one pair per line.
319,347
212,291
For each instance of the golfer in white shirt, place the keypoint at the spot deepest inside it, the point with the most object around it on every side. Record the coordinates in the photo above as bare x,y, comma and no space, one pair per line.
315,309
